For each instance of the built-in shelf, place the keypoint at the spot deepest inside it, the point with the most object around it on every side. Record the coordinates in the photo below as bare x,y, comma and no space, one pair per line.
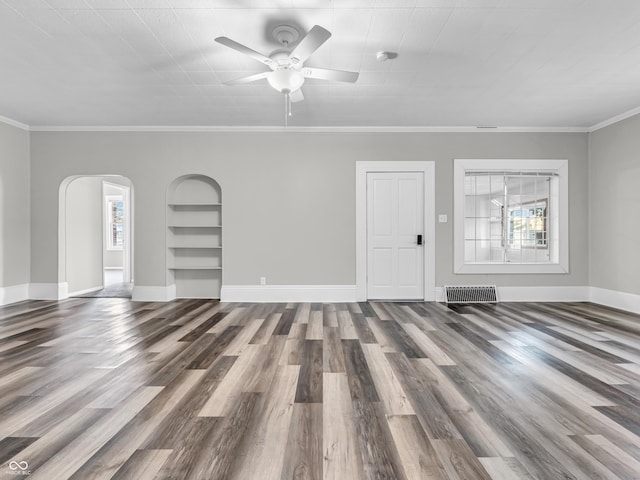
198,267
194,236
195,226
192,204
203,247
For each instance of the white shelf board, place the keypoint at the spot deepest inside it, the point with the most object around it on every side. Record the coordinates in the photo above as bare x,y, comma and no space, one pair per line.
196,246
195,204
195,226
201,267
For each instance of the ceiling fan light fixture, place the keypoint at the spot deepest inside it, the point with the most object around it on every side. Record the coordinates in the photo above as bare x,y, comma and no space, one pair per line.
285,80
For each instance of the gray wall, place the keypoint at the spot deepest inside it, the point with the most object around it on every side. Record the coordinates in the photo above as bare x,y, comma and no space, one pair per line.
289,198
84,231
14,206
615,207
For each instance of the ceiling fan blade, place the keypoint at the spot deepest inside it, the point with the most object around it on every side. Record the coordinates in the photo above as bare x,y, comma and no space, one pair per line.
327,74
249,79
227,42
309,44
296,96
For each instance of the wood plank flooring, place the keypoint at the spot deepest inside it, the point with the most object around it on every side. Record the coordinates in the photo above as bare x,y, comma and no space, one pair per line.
96,388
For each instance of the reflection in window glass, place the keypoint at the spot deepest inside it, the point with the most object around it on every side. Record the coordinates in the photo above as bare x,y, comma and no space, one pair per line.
507,217
115,219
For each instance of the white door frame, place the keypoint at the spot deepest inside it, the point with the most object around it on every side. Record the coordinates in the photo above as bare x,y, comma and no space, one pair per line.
428,170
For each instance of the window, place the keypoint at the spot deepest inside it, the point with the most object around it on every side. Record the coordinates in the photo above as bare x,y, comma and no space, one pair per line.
115,218
510,216
528,225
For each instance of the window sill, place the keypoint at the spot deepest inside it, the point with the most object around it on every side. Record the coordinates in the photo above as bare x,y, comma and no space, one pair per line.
487,268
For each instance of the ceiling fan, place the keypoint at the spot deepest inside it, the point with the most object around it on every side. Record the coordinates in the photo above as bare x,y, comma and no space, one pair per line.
288,72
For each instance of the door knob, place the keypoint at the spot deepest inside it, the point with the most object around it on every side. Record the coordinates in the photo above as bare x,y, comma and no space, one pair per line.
419,239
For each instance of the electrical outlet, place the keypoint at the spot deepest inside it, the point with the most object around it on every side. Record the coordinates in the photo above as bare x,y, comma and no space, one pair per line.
442,218
263,280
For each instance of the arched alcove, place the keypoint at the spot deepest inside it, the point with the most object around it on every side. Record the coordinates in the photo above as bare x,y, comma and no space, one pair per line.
194,236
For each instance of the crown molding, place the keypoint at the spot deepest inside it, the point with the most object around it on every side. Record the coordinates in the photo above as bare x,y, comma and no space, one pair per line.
351,129
325,129
616,119
14,123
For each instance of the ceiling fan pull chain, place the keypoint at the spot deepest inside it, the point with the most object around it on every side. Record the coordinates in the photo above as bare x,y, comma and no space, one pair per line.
286,110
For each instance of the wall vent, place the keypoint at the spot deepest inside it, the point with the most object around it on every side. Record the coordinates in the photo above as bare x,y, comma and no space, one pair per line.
471,294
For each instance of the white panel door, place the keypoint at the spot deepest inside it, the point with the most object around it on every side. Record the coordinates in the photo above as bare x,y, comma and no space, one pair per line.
395,218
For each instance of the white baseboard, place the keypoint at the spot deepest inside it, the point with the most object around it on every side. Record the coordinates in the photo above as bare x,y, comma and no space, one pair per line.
543,294
534,294
48,291
86,290
329,293
611,298
14,293
624,301
153,294
288,293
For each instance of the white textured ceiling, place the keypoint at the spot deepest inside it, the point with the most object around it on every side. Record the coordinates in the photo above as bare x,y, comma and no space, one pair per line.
506,63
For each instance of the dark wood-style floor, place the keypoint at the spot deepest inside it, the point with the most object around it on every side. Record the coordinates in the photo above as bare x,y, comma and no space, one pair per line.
109,388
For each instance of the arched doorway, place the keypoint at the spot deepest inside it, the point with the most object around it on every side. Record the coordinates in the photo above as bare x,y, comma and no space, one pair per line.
96,236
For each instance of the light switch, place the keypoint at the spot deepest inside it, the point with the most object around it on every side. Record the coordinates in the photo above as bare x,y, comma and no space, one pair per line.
442,218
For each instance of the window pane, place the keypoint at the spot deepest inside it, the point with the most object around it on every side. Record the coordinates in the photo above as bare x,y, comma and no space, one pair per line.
514,185
469,206
496,229
496,185
483,229
483,251
469,185
470,251
470,228
513,255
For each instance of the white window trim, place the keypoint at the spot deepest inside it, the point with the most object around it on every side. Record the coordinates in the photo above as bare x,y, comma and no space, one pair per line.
460,166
